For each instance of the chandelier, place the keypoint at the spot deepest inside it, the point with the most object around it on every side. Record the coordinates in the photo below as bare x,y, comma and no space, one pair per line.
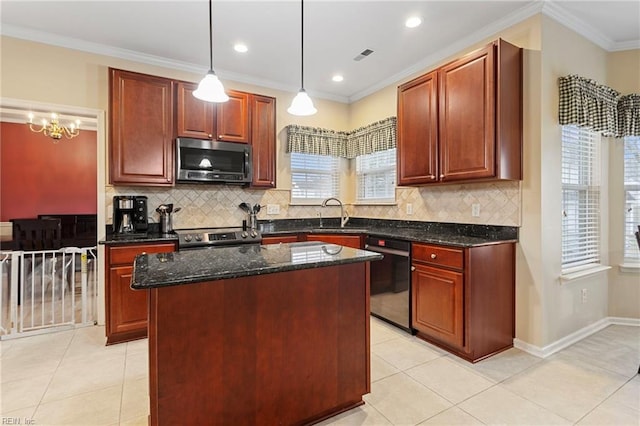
53,129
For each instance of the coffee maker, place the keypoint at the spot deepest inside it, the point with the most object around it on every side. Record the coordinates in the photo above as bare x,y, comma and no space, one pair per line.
130,214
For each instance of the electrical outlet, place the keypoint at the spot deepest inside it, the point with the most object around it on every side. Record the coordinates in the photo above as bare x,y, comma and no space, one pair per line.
584,295
475,210
273,208
409,208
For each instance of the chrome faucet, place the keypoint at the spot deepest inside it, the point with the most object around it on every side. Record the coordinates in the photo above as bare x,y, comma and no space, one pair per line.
344,217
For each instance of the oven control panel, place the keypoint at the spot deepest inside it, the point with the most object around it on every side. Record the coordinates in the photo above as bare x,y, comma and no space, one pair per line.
193,238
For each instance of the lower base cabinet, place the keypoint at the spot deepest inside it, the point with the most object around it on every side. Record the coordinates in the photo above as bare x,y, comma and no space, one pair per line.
126,309
354,241
464,298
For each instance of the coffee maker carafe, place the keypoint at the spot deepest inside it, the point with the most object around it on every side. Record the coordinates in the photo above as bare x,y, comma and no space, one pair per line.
130,214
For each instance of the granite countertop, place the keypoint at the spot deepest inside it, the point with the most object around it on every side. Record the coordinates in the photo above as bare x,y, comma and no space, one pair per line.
456,235
209,264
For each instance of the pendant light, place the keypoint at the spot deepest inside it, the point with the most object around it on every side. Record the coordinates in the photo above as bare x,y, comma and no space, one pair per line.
210,88
302,103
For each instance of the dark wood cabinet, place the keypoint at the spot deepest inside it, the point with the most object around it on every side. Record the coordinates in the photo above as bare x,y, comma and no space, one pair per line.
276,239
126,309
476,131
194,118
227,121
418,131
354,241
463,299
263,141
140,129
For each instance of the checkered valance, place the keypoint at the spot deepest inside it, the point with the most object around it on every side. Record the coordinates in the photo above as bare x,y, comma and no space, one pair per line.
585,103
378,136
629,115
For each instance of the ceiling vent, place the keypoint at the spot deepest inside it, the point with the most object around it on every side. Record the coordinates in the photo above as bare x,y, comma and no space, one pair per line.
363,54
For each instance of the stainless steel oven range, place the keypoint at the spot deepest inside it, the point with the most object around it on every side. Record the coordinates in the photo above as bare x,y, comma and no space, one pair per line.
216,237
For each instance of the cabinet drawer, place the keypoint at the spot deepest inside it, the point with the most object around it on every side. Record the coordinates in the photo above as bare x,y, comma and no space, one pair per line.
436,255
125,254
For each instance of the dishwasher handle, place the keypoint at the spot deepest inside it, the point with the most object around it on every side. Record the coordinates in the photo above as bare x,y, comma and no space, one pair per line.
386,250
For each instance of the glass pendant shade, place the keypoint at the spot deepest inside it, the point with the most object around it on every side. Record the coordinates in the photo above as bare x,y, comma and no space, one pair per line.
302,105
210,89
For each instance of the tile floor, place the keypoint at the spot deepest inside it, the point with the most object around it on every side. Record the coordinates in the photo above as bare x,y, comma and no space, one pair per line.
72,378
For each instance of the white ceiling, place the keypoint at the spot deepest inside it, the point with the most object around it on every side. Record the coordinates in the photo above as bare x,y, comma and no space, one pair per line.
175,34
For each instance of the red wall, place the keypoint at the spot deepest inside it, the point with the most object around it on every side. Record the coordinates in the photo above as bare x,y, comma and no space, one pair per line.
38,176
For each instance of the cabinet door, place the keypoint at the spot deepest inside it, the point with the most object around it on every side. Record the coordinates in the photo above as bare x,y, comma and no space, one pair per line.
194,118
418,131
438,304
354,241
141,130
233,118
263,140
128,308
467,117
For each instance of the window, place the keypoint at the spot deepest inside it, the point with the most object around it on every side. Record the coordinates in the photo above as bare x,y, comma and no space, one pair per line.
313,178
376,176
631,196
580,197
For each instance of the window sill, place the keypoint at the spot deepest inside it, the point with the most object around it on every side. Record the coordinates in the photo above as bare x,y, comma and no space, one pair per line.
629,267
375,203
575,274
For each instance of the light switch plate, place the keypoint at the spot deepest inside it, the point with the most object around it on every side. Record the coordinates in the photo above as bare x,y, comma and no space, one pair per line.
475,210
273,208
409,208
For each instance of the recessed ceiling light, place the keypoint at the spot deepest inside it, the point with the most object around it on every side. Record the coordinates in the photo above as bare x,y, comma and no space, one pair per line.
413,22
240,47
337,78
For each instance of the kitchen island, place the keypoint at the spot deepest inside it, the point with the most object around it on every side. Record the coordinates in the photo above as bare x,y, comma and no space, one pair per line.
256,334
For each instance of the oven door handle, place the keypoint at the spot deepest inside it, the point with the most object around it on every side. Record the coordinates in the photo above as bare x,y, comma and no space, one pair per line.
386,250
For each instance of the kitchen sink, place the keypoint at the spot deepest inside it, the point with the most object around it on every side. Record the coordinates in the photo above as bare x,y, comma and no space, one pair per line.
337,229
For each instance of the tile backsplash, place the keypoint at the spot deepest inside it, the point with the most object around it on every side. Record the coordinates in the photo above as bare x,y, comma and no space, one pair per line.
217,206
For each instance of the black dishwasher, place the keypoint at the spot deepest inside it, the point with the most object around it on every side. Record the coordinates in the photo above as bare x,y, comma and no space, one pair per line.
391,281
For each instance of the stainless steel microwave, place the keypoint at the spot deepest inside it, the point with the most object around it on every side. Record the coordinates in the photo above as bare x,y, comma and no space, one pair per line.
206,161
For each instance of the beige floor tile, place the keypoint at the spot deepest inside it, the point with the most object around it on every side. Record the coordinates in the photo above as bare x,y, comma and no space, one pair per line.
501,366
380,368
629,394
382,332
606,350
135,399
498,406
404,401
23,416
16,368
89,342
85,375
136,366
569,388
613,414
363,415
404,353
140,421
101,407
452,417
35,355
449,379
138,346
621,335
23,393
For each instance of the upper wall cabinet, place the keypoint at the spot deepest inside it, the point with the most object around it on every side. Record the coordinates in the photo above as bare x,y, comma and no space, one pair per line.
140,129
263,140
228,121
463,121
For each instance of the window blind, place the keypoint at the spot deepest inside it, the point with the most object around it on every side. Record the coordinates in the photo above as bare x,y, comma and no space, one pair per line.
376,176
632,196
580,197
313,178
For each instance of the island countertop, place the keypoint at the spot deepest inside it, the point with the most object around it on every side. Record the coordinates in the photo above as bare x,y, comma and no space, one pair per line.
210,264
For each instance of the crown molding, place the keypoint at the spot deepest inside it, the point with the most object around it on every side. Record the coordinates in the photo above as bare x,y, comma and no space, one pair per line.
553,10
519,15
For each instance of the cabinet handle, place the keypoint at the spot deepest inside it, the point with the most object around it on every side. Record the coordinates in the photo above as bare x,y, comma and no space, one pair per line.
442,176
413,268
144,252
433,255
210,135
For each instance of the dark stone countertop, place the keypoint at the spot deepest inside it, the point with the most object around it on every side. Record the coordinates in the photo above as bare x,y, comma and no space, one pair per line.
209,264
152,236
450,234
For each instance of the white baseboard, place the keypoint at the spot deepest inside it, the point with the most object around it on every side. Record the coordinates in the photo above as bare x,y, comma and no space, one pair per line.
574,337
